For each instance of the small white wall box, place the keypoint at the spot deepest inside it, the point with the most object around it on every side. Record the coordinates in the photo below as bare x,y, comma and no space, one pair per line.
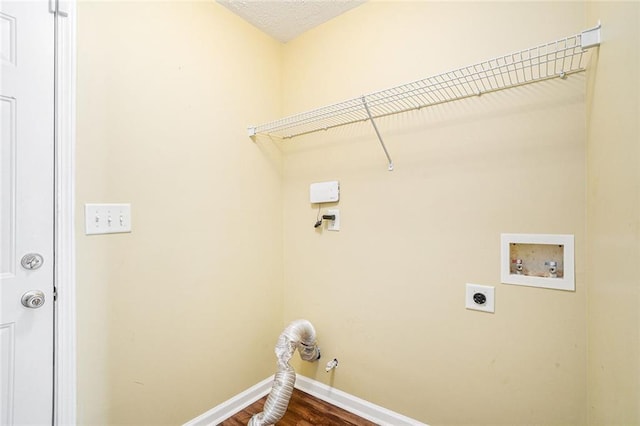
538,260
324,192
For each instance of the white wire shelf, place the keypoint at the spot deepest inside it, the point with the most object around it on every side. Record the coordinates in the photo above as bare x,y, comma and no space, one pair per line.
557,59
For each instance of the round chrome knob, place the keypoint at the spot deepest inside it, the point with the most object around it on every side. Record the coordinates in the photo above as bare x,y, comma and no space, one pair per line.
33,299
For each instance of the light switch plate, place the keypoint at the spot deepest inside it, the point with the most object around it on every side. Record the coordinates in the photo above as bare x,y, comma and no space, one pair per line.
107,218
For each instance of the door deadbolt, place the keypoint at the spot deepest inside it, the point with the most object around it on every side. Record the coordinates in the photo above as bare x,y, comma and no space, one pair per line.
32,261
33,299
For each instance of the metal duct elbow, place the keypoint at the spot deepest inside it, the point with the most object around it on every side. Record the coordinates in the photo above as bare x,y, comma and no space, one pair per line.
299,335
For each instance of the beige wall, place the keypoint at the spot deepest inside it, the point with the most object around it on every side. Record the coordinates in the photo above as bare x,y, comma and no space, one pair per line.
613,218
169,316
386,293
183,313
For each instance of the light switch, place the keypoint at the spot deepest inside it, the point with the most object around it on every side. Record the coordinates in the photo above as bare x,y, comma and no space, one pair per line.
107,218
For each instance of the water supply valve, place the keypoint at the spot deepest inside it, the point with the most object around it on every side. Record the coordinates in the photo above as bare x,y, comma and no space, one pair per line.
519,266
553,268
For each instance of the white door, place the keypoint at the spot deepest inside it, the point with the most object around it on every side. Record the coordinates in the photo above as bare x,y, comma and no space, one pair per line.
26,212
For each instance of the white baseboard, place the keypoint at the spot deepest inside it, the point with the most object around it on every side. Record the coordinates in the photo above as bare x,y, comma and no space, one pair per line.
353,404
234,405
350,403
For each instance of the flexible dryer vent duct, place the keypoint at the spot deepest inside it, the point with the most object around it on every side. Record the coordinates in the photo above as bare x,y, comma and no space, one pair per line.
300,335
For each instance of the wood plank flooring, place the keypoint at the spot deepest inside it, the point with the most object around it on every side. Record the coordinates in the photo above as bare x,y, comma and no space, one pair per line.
303,410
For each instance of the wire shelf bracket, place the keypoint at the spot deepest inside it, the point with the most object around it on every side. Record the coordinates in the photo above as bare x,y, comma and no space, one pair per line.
373,123
556,59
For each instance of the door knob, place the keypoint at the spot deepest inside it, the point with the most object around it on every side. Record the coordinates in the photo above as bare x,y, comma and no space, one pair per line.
33,299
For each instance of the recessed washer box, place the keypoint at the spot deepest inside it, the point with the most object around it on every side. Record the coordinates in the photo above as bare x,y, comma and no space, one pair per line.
538,260
324,192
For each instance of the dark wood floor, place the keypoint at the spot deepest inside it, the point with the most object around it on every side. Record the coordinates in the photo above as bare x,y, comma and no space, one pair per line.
303,410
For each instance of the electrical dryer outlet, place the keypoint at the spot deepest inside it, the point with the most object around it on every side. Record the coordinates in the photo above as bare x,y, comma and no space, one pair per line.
480,297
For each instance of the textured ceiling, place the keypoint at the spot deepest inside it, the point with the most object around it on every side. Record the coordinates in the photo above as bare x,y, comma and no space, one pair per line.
284,20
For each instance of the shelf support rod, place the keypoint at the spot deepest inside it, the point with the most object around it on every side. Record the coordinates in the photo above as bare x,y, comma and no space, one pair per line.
373,123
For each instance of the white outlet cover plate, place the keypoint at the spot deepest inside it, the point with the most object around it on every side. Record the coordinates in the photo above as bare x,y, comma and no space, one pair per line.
489,293
334,225
107,218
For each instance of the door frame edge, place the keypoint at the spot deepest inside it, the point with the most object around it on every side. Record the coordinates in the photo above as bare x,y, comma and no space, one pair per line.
65,376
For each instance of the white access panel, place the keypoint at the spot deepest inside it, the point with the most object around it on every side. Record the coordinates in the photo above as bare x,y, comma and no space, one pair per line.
324,192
